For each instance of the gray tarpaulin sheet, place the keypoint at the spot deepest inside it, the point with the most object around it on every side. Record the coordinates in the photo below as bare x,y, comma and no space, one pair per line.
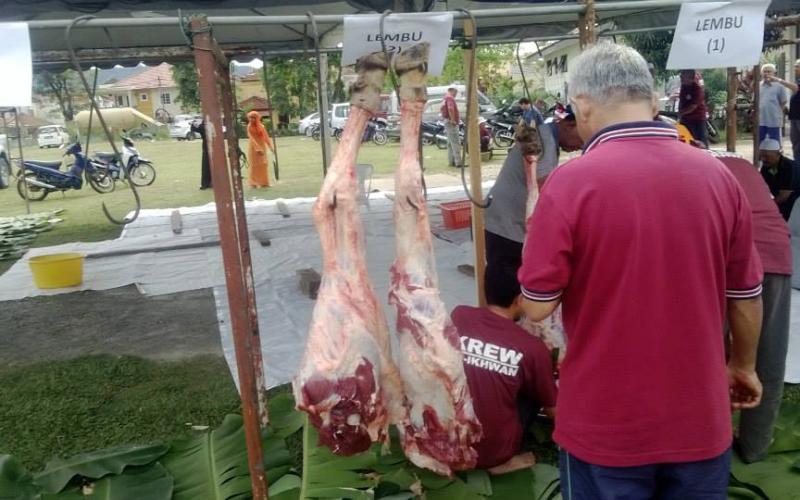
284,313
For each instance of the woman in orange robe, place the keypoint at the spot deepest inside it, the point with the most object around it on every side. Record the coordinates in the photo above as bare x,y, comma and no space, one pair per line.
257,151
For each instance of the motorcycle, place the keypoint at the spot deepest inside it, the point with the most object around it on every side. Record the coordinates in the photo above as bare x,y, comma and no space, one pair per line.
502,124
37,179
138,170
375,132
433,133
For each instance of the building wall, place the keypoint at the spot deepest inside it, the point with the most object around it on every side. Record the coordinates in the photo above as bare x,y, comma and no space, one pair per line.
147,101
245,89
556,69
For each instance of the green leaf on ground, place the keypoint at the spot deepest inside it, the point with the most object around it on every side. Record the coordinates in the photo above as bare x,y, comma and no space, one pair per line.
96,464
136,483
787,429
16,483
212,465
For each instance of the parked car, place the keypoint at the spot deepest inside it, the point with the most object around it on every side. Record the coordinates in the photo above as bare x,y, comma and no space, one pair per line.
5,163
339,113
182,129
51,136
304,127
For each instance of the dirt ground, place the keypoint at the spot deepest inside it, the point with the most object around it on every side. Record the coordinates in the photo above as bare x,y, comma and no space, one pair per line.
120,322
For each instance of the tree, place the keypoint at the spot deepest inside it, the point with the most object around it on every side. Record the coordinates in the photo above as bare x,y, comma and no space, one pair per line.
185,77
62,86
654,47
292,85
491,63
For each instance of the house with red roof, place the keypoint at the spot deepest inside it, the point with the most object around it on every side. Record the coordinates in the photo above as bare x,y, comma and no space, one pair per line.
151,91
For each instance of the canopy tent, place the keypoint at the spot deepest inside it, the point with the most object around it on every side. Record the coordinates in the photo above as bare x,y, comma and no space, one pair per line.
130,31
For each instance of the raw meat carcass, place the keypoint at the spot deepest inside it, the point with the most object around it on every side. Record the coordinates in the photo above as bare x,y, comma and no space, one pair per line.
439,426
347,382
550,330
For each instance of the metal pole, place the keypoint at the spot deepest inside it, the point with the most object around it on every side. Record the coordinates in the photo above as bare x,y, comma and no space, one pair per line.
274,130
232,251
756,116
243,240
22,162
322,95
475,176
730,110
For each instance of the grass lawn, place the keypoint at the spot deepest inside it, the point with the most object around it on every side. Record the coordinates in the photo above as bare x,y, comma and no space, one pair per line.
178,167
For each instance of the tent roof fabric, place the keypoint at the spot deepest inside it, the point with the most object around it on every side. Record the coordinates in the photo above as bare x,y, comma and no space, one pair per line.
131,31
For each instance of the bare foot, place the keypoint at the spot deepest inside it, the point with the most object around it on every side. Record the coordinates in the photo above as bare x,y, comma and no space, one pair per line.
517,462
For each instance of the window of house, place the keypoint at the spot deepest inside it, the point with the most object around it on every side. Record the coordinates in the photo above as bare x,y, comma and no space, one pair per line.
563,64
166,99
549,68
119,100
143,97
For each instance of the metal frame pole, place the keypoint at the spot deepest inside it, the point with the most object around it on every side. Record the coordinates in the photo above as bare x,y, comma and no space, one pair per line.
235,252
322,95
274,130
21,160
756,114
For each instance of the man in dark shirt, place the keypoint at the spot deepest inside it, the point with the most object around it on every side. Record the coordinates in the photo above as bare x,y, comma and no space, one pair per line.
504,365
692,106
777,171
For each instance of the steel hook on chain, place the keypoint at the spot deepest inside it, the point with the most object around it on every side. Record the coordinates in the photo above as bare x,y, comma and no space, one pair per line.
93,103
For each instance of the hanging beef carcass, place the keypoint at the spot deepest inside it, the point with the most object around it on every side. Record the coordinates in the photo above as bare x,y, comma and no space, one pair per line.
439,426
550,329
347,382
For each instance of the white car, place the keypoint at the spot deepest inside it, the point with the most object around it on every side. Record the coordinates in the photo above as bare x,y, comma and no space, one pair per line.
51,136
304,127
182,129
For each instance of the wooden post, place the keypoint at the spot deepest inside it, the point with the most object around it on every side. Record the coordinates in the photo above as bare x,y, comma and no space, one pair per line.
235,252
730,109
756,113
272,121
475,176
587,34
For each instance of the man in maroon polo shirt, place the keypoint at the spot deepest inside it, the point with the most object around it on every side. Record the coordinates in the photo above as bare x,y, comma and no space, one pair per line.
646,242
771,237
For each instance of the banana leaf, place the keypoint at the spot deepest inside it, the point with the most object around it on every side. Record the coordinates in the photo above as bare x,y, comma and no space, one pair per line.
326,475
212,465
787,429
96,464
152,482
773,479
16,483
285,488
283,417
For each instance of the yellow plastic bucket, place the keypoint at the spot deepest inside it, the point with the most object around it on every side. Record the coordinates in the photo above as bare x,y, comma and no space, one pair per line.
59,270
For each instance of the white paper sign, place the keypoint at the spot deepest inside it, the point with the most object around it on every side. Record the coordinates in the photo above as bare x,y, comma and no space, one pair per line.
15,65
362,36
718,35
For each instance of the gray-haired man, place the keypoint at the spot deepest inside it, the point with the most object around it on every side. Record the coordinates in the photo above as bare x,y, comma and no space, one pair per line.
771,103
647,243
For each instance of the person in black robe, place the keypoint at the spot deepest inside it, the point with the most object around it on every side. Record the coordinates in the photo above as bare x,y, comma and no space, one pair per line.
199,126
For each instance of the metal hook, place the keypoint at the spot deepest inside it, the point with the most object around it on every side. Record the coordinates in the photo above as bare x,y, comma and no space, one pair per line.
413,205
92,102
469,194
470,95
392,75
